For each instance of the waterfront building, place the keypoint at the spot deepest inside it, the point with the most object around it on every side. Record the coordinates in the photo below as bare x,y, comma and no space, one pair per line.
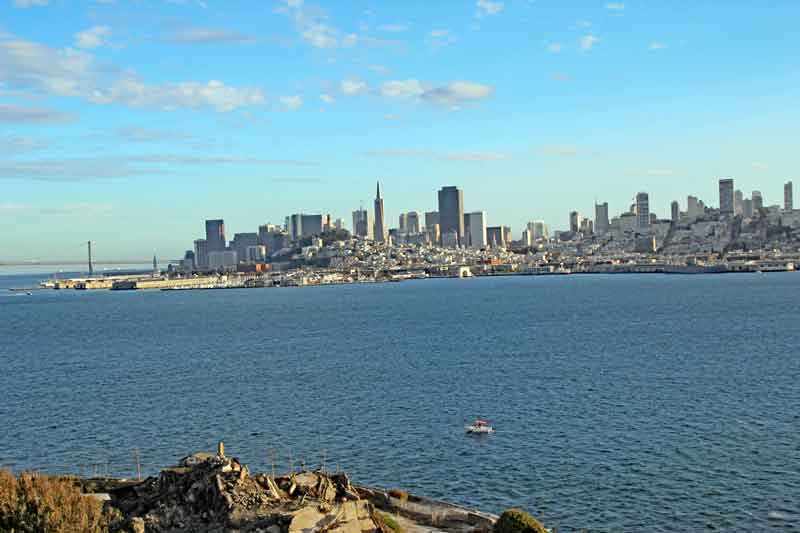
643,212
450,239
224,260
255,254
758,201
601,218
242,241
738,202
215,235
475,229
362,224
575,221
726,197
379,229
747,208
675,211
451,211
495,237
413,224
788,203
201,254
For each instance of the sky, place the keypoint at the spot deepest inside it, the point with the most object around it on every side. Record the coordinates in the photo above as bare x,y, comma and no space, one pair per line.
130,122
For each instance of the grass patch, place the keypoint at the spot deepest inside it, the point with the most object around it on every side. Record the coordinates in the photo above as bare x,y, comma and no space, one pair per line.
389,521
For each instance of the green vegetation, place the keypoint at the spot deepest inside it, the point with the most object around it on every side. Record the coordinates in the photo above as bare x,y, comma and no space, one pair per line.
399,494
516,521
33,503
388,520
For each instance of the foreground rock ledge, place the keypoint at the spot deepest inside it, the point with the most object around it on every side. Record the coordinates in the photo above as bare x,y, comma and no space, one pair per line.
212,493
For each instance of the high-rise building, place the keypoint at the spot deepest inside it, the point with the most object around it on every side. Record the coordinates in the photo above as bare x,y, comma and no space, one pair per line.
788,203
476,234
379,229
413,225
675,211
495,237
242,241
311,225
201,254
693,209
601,218
738,202
587,226
539,229
215,235
451,211
747,208
643,212
431,218
338,223
362,224
575,221
758,201
726,197
403,223
294,226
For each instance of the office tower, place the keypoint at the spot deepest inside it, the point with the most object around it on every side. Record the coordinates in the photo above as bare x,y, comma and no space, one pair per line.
403,223
311,225
601,218
495,237
242,241
475,236
431,218
451,212
587,226
201,254
747,208
413,222
693,207
642,212
726,197
758,201
507,235
575,221
215,235
362,224
338,223
434,233
738,202
294,226
540,230
788,203
527,238
675,211
379,229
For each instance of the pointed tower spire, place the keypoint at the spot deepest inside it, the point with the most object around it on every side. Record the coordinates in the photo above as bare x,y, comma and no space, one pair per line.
378,193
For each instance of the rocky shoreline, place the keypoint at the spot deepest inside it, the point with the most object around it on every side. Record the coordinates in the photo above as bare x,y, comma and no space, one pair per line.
208,493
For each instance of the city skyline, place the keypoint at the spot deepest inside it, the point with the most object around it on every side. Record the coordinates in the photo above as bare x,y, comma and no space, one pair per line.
126,126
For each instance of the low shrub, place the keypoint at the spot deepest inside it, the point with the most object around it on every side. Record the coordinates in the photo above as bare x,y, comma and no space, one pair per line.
389,521
516,521
34,503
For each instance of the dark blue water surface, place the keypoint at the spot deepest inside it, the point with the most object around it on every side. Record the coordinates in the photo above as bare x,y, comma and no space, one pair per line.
622,403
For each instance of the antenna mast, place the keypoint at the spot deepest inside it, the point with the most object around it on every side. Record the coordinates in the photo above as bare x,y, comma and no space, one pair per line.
89,245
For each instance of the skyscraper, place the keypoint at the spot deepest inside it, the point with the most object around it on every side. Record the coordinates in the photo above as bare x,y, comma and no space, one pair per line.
575,221
747,208
476,235
201,254
362,224
675,211
540,230
215,235
726,197
451,212
601,218
294,226
643,212
403,223
692,207
380,227
311,225
758,201
738,202
495,237
413,222
788,203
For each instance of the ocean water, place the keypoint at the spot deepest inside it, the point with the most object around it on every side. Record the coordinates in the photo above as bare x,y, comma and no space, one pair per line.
622,403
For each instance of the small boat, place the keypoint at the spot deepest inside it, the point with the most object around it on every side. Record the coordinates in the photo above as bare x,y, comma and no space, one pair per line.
29,293
480,426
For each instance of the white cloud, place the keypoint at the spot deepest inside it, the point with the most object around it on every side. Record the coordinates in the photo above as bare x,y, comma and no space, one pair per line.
441,156
93,37
311,23
402,89
139,134
657,46
349,40
441,37
26,65
397,27
327,98
450,95
30,3
588,41
320,36
208,35
487,7
353,86
10,114
615,6
554,48
291,102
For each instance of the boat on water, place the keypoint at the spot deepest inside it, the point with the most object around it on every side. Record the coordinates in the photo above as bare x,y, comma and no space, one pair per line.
480,427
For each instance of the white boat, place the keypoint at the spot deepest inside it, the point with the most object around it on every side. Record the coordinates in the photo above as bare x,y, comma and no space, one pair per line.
480,426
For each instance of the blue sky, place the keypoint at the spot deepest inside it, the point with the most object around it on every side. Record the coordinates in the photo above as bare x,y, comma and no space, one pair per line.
130,122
